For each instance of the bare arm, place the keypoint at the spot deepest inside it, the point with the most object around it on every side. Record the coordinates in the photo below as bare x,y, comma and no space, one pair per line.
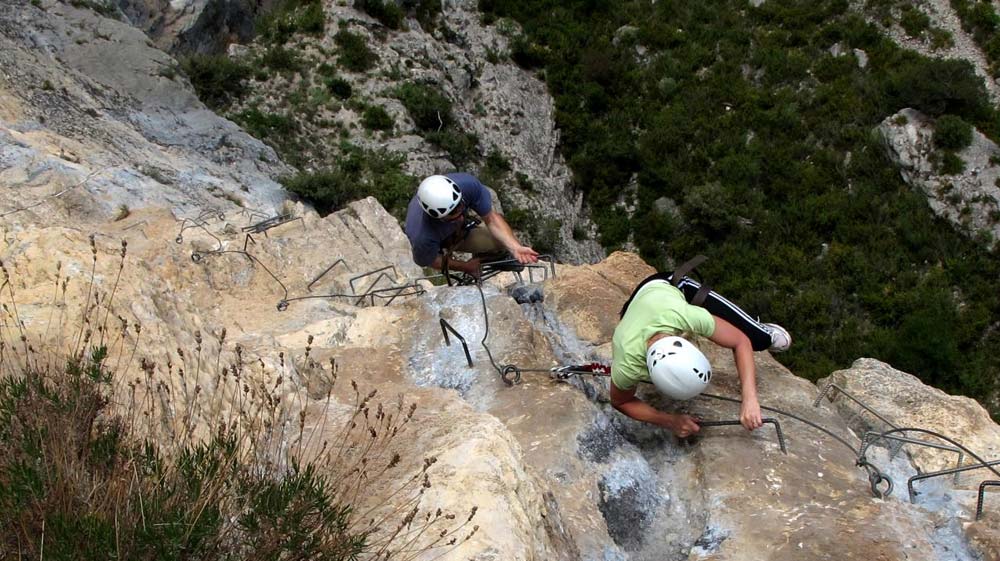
626,402
501,231
727,335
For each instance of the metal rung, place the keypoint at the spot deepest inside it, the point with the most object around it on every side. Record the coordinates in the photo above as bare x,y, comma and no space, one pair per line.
445,328
766,420
982,494
369,273
920,477
325,271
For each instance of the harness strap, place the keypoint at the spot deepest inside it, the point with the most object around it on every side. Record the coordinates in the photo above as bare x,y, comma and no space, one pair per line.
699,297
445,256
685,268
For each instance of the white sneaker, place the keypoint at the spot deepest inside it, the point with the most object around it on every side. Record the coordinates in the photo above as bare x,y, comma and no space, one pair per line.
780,339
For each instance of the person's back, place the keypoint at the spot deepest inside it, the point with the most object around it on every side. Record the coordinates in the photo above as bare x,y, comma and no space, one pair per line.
657,307
427,234
436,223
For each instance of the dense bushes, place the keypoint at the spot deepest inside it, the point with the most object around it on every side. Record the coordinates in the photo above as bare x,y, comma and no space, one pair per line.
952,133
354,52
431,113
359,173
218,80
427,106
761,132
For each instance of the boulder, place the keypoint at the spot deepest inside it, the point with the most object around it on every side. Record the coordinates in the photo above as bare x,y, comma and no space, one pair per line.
971,199
903,400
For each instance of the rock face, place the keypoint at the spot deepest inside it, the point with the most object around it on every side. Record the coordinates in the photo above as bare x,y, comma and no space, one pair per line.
904,401
555,472
506,107
969,200
94,122
194,26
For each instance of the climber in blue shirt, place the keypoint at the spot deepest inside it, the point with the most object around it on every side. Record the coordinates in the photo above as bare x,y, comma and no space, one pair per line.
436,222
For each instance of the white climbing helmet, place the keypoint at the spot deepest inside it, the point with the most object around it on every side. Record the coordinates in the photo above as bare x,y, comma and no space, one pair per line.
438,196
678,368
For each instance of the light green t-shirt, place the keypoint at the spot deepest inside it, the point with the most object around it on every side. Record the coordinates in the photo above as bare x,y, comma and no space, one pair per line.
657,307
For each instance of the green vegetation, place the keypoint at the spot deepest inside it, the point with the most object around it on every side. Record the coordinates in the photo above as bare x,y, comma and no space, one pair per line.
102,460
375,117
913,21
981,20
387,12
266,126
218,80
764,139
432,115
427,106
281,59
354,53
336,85
359,173
289,17
952,133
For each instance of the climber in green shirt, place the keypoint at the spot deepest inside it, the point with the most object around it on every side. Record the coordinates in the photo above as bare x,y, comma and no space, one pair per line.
648,346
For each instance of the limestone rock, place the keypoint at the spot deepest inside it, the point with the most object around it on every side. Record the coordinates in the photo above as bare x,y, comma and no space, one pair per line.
98,123
969,200
905,401
194,26
588,298
984,535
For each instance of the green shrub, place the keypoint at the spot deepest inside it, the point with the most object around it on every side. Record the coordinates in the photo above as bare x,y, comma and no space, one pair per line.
495,169
328,190
462,147
524,182
914,21
354,53
281,59
941,38
102,460
952,133
266,126
427,106
218,80
377,118
951,164
935,86
527,54
385,11
289,17
357,173
338,87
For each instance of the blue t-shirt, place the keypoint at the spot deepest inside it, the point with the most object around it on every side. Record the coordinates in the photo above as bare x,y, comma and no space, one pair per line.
426,234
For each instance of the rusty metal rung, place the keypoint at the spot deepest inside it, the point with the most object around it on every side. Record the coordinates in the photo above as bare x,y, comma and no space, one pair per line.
445,328
765,420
